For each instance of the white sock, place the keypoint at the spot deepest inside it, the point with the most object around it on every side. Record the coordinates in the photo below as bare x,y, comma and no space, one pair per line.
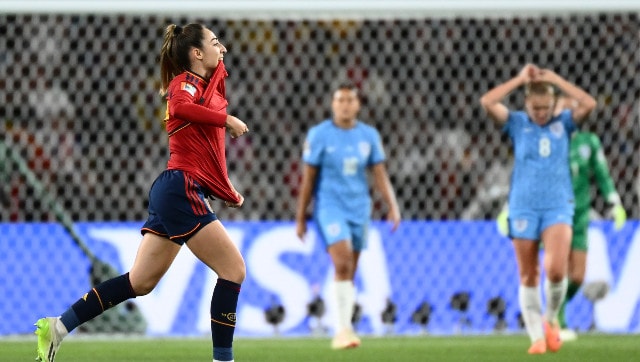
60,328
345,294
554,295
531,309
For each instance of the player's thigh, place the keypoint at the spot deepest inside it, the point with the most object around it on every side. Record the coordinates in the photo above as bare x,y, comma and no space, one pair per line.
557,232
527,259
153,259
214,247
557,236
557,243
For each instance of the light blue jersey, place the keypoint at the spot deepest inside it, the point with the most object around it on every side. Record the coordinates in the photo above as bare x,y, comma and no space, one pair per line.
541,192
342,157
541,177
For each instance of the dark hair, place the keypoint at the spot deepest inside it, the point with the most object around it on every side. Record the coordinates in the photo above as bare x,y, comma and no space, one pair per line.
346,86
174,55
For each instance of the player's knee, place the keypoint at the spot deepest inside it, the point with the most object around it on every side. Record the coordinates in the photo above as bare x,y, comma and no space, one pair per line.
555,275
576,275
528,276
142,283
143,287
343,269
576,279
235,273
528,280
240,274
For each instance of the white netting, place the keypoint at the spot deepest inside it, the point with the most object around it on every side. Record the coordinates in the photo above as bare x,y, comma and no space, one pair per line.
80,104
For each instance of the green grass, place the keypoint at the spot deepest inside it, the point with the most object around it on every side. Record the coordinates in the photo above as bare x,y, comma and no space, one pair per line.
424,348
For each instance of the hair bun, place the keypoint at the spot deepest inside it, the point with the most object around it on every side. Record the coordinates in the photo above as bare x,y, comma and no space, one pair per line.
177,30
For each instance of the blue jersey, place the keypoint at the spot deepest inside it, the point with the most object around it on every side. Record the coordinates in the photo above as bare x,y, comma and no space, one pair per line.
541,177
342,157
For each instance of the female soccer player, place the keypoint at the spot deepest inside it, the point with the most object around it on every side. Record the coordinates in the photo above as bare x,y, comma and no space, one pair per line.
193,80
337,154
587,161
541,201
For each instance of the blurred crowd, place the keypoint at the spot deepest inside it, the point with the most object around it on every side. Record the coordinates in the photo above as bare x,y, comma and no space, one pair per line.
81,106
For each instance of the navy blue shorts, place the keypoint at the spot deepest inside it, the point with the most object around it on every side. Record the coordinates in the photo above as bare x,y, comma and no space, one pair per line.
178,207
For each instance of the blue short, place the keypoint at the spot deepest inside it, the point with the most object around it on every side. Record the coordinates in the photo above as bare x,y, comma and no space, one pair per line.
529,224
178,207
333,226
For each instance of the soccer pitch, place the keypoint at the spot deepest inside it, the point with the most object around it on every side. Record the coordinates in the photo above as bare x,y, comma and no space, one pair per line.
592,347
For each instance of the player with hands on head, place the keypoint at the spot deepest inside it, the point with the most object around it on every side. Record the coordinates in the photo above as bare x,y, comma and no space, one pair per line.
588,163
193,80
541,200
337,154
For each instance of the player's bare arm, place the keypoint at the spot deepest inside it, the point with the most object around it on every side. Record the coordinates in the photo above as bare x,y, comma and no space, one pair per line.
382,183
492,100
309,174
582,102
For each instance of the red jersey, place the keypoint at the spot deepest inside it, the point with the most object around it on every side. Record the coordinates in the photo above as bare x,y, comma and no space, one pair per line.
196,117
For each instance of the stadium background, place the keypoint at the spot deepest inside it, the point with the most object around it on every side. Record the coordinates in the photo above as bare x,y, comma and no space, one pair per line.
79,95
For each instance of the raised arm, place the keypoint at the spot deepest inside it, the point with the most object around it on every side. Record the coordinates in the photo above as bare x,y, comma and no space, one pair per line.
582,102
492,100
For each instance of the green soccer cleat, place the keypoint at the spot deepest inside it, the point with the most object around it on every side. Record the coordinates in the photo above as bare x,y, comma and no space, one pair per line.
48,339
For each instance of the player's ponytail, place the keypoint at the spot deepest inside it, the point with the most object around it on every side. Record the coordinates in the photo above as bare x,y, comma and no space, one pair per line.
174,55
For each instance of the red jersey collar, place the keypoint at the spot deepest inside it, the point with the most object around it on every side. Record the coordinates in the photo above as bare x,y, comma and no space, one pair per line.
204,81
219,73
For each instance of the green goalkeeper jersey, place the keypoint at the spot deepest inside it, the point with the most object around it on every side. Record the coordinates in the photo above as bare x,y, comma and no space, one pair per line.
588,160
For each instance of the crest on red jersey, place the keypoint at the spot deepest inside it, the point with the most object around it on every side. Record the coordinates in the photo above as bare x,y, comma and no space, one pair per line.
190,88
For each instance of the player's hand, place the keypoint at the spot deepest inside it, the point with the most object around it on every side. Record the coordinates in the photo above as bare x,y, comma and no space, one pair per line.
529,73
394,218
301,229
502,222
236,127
235,205
547,75
619,216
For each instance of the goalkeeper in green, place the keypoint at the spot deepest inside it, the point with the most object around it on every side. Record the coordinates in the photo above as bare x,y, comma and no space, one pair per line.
587,163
